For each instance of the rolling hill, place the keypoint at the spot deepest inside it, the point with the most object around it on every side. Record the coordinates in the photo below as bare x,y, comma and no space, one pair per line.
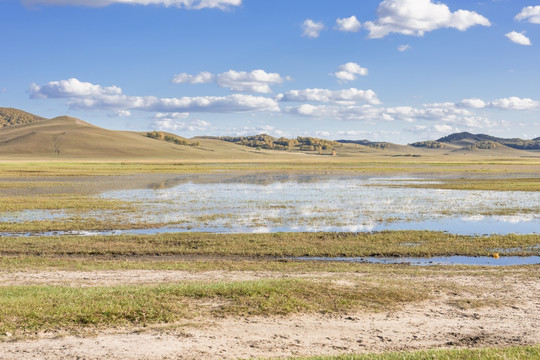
64,137
482,140
27,136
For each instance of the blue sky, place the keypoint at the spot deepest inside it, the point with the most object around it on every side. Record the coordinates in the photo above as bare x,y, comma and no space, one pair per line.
393,70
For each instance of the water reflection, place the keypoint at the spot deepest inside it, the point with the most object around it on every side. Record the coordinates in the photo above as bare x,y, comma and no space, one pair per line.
285,202
441,260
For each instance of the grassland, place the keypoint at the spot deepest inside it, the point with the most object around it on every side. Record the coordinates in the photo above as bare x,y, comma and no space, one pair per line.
277,286
370,164
510,353
388,243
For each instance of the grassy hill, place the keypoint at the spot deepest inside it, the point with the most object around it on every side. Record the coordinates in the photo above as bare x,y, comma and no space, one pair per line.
27,136
483,141
11,117
70,138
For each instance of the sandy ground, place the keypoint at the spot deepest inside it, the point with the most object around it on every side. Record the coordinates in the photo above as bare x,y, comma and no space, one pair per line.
435,323
126,277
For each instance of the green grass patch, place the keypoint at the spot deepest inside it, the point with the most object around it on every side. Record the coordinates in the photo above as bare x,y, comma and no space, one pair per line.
72,202
34,308
387,243
502,184
93,263
509,353
379,163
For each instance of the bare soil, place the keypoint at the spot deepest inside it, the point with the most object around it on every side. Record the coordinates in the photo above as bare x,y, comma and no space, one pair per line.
432,324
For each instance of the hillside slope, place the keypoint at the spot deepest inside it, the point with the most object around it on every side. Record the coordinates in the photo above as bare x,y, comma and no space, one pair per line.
67,137
13,117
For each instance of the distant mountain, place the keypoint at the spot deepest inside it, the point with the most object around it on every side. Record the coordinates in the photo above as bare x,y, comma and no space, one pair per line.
485,141
11,117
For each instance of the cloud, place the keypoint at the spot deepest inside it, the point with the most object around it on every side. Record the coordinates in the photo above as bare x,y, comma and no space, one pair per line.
201,78
173,122
518,38
416,17
404,47
186,4
353,112
71,88
345,96
311,28
172,116
433,131
122,113
258,81
263,129
509,103
254,81
515,103
85,95
442,113
473,103
349,72
530,14
350,24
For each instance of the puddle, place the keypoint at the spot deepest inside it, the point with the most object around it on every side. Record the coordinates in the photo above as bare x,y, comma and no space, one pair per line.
32,215
443,260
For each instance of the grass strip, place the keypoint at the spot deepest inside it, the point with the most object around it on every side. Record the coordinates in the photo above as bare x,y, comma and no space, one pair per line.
386,243
41,263
509,353
61,202
26,309
374,164
505,184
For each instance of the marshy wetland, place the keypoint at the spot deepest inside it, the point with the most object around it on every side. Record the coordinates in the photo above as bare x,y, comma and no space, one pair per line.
257,260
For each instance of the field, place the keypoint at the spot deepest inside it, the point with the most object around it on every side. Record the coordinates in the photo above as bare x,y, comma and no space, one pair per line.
245,295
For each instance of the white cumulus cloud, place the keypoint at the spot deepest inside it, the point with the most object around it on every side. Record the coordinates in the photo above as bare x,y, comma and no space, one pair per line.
254,81
349,72
530,14
175,122
258,81
311,28
72,88
518,38
345,96
515,103
508,103
415,17
186,4
350,24
445,114
473,103
90,96
201,78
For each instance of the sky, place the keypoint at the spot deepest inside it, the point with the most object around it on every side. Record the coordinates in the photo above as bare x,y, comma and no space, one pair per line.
392,70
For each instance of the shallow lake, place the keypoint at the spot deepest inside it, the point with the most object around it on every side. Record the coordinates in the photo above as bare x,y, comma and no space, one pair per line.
266,203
